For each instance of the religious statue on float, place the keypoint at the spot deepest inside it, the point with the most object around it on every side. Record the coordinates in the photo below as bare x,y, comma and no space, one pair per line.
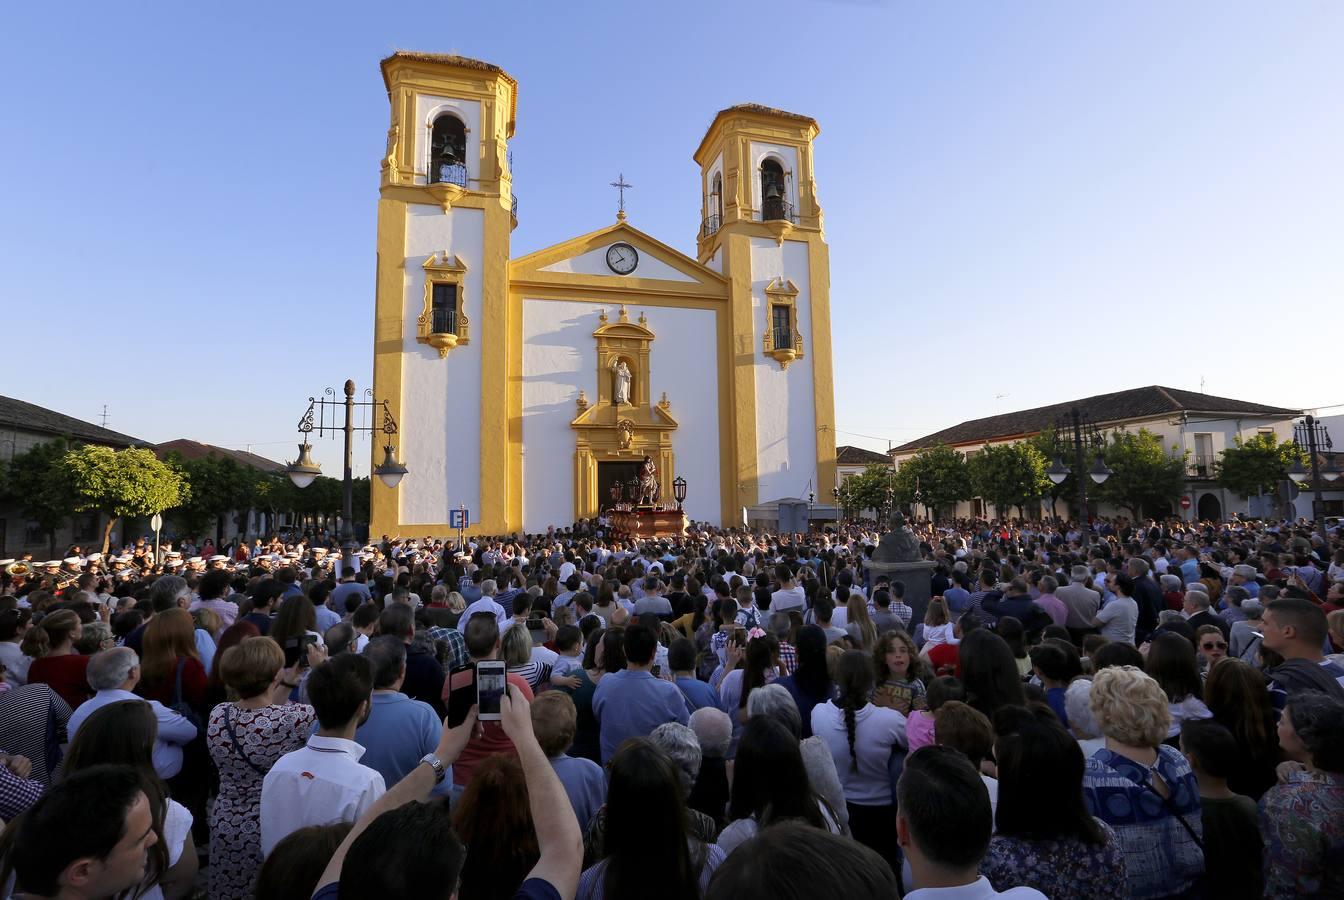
649,490
622,379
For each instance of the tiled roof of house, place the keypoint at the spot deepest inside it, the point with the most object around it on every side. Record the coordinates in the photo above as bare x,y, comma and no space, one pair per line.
20,415
189,449
1103,409
857,456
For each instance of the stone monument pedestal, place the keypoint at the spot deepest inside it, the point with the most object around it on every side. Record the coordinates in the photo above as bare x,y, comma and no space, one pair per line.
916,575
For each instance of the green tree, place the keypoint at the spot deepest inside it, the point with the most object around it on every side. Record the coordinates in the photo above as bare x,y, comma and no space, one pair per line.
1144,475
219,485
1009,475
34,482
1258,465
939,473
868,489
120,483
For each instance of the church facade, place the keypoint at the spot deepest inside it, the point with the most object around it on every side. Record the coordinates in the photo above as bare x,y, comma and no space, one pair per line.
524,387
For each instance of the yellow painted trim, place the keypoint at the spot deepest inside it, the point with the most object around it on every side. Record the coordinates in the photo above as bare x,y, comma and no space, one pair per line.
528,268
568,294
823,382
501,383
388,338
442,270
742,378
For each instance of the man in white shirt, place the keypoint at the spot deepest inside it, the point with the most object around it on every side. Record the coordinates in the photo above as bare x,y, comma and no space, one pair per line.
113,674
944,823
324,783
790,594
487,603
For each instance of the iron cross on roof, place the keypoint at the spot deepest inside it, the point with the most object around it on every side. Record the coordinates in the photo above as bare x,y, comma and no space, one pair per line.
620,186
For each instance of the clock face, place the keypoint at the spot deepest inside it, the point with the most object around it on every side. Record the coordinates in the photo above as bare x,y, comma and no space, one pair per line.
622,258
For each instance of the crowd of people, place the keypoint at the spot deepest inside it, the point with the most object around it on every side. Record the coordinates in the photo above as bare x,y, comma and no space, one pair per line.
1140,709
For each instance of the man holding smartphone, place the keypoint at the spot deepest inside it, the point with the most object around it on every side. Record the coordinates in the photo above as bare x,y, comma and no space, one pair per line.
481,633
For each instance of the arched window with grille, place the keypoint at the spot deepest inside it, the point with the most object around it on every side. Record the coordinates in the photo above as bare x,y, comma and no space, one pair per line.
774,193
448,151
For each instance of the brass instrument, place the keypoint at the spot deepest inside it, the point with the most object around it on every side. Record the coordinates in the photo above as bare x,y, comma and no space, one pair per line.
18,569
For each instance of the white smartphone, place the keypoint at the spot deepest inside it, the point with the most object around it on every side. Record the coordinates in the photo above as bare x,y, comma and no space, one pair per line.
490,683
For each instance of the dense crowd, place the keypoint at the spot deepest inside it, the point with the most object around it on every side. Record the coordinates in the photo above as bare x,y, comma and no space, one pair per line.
1141,710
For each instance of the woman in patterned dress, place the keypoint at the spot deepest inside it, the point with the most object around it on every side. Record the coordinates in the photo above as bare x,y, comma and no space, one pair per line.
245,738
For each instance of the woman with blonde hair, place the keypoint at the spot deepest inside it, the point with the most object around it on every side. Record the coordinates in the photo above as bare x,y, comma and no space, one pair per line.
51,644
168,658
1144,789
859,624
245,738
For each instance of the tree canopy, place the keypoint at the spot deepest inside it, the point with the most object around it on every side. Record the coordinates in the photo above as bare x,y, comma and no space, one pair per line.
1145,476
1258,465
34,481
117,483
940,474
1009,475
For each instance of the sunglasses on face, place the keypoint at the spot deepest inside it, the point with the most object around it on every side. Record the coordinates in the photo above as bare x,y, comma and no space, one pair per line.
1216,645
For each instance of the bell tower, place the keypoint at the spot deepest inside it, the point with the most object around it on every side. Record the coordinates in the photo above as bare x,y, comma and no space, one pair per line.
761,227
446,210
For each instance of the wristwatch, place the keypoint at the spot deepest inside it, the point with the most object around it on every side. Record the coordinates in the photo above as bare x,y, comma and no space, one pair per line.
436,764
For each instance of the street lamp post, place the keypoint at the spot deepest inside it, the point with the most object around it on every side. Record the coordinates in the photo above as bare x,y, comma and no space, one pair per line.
811,502
1315,437
303,471
1083,435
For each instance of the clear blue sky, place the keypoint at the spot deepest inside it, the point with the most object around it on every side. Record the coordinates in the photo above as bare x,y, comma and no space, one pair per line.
1042,200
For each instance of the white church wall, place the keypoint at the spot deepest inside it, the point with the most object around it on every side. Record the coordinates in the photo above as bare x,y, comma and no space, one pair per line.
785,414
427,109
594,262
560,358
441,398
788,160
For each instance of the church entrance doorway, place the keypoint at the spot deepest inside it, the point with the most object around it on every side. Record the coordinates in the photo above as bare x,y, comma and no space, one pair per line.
611,472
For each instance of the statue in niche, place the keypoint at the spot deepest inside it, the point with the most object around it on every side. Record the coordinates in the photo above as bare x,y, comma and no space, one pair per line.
620,393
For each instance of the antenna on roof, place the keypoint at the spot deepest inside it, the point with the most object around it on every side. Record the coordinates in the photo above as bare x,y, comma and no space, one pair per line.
104,415
1201,384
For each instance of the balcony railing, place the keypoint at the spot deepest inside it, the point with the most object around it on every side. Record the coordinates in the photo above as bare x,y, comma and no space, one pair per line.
513,207
777,209
449,173
711,225
782,342
1200,467
443,320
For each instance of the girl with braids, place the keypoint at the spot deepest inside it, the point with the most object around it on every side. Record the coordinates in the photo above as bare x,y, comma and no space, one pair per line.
759,668
51,644
862,738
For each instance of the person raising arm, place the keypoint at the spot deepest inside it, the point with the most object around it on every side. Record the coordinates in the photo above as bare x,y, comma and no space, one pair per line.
554,877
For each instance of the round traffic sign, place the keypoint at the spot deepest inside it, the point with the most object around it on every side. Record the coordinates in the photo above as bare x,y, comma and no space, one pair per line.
156,523
1185,503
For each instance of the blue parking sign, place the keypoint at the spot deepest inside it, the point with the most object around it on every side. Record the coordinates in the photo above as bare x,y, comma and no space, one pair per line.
458,518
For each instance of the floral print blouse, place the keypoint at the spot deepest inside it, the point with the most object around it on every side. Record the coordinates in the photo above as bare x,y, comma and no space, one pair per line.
1060,869
1303,825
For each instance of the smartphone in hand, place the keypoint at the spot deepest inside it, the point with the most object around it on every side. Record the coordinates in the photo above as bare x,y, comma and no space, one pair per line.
491,679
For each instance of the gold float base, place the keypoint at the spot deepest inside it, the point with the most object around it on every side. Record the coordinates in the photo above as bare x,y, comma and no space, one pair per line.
648,522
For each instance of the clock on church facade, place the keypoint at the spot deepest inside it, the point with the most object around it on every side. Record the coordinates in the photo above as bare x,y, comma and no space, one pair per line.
525,387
